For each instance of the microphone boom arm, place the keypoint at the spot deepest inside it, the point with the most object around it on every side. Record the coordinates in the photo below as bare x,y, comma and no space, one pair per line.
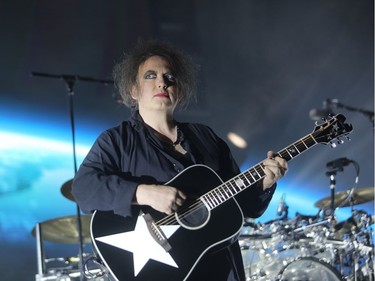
368,113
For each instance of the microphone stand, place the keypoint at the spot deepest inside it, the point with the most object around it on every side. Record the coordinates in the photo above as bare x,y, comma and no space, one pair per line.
70,81
368,113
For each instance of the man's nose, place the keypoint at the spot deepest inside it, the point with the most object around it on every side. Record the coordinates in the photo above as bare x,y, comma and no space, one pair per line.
162,83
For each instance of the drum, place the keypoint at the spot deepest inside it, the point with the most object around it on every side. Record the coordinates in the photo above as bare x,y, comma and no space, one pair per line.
308,269
268,249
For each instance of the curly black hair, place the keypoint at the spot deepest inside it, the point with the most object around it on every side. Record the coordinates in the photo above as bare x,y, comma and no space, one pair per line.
184,70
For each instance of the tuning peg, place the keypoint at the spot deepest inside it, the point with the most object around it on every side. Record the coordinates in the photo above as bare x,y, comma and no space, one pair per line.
340,141
349,139
333,144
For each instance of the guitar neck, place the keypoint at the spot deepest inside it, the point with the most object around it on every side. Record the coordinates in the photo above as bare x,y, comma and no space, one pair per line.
232,187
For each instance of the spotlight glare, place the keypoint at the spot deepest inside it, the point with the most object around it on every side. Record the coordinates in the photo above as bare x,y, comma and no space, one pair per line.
12,141
237,140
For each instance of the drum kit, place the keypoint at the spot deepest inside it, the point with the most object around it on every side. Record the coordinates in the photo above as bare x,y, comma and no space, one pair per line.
66,230
313,247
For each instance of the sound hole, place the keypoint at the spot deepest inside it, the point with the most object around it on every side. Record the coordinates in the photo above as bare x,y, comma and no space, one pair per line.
194,217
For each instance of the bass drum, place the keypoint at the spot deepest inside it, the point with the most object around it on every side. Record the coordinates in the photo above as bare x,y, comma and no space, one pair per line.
309,269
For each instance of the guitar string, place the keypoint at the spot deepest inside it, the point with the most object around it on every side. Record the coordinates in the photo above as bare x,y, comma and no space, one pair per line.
170,219
199,203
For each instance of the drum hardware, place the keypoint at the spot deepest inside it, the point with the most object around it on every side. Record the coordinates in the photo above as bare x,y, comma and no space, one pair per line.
67,269
283,208
303,228
357,227
277,248
309,218
60,230
41,266
348,198
314,247
94,268
356,232
70,81
347,257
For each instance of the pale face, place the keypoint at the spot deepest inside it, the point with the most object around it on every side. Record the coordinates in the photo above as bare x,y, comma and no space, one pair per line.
155,89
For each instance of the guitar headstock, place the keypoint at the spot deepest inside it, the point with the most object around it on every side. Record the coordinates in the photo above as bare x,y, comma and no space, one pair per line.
332,130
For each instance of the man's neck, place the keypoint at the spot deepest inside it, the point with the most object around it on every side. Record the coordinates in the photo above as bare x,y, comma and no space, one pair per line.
160,121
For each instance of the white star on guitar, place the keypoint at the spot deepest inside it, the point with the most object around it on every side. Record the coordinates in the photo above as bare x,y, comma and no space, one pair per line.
141,243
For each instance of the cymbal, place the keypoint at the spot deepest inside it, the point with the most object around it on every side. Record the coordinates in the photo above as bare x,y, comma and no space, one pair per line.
66,190
65,229
358,196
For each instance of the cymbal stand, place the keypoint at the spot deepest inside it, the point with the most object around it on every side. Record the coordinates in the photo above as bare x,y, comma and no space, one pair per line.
332,186
70,82
40,252
351,191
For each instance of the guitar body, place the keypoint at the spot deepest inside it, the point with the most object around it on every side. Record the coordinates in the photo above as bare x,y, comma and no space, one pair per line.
188,245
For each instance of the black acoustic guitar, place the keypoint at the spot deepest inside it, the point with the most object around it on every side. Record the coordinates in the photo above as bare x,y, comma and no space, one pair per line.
149,247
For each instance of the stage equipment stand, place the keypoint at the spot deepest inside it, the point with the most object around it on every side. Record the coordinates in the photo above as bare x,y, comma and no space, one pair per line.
368,113
40,252
70,81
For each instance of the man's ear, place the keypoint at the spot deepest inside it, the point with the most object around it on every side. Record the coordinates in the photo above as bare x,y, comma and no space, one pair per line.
133,92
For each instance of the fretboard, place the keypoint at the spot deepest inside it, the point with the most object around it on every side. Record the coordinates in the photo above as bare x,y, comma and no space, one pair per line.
232,187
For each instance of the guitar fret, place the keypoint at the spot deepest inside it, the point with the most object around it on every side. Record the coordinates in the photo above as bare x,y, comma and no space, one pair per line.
209,201
284,154
301,146
221,196
296,147
225,190
310,140
304,144
214,197
229,189
255,174
206,203
243,176
290,155
292,151
248,172
239,183
233,187
260,171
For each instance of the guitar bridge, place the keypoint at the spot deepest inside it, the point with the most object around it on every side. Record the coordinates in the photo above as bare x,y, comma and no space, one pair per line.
157,233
